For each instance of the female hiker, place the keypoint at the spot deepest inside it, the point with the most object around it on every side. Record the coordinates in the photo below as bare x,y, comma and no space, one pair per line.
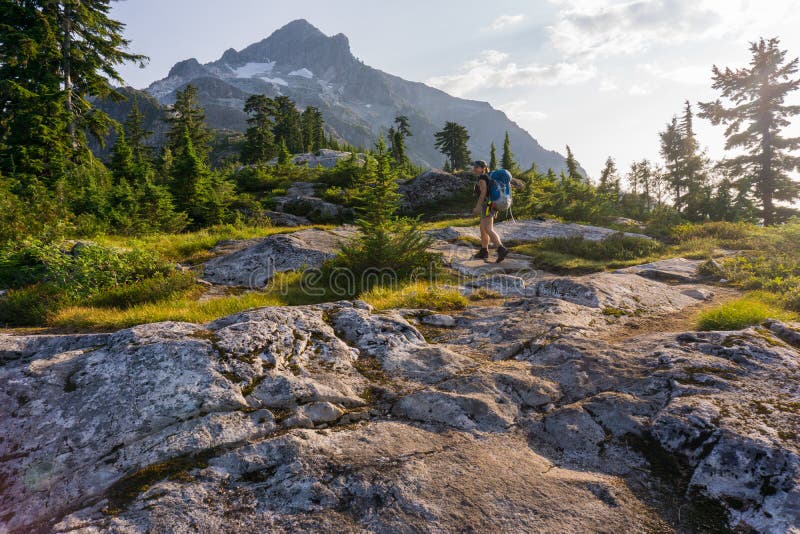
486,210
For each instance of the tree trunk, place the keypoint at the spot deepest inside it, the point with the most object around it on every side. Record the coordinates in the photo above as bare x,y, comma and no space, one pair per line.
66,26
765,177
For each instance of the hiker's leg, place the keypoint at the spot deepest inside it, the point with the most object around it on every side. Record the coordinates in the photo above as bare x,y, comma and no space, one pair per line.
484,232
490,233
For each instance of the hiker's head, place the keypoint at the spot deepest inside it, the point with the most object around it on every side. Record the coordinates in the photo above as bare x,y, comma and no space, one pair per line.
480,167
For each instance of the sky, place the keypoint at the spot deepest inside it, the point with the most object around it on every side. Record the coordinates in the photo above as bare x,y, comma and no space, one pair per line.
602,76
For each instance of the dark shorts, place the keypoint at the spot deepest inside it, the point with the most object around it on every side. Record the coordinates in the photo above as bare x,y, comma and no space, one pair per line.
488,212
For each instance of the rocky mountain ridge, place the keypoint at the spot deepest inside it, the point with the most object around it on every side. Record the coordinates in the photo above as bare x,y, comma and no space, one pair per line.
358,102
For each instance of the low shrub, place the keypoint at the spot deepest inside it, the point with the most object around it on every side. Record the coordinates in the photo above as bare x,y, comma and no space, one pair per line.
726,234
415,295
30,306
259,179
384,257
615,247
158,288
45,276
749,310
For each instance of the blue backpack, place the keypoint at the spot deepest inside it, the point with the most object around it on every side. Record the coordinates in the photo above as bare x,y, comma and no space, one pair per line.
500,189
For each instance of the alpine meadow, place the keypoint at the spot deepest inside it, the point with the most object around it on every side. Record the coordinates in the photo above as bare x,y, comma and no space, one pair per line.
282,290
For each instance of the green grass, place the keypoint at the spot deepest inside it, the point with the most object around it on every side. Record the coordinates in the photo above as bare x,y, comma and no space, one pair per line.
153,289
578,255
193,247
83,318
286,291
748,310
415,295
444,223
180,304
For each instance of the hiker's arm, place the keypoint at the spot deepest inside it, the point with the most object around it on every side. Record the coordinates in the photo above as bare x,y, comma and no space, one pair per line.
481,198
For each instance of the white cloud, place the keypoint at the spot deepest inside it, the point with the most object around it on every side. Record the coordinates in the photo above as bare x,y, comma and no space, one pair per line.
686,74
603,27
492,69
639,89
505,21
521,111
589,28
607,85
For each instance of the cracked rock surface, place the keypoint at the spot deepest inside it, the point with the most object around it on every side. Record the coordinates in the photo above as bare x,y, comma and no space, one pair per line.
543,413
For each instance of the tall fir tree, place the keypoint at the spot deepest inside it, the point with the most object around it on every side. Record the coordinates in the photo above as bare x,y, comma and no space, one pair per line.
640,177
451,141
259,141
572,166
609,180
35,139
397,135
137,136
288,126
186,115
92,47
312,127
57,52
492,157
507,159
122,164
694,168
755,119
672,152
190,180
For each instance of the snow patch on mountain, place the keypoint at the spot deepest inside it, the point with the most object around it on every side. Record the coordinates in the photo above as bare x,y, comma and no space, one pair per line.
304,72
251,70
276,81
162,88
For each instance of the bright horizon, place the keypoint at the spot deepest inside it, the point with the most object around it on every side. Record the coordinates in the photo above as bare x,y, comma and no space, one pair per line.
602,76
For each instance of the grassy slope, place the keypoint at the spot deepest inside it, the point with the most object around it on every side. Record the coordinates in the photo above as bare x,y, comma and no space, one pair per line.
770,266
193,247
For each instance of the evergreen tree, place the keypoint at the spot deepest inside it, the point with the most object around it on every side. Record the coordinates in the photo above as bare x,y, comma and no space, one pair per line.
312,129
398,134
492,157
157,209
259,143
694,169
122,164
572,166
507,160
641,179
167,161
451,141
34,138
288,124
672,152
190,184
755,120
609,180
528,198
284,156
378,196
386,243
185,116
124,207
91,46
137,135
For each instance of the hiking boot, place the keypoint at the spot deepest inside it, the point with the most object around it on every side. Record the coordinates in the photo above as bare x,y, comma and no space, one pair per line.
482,255
502,252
